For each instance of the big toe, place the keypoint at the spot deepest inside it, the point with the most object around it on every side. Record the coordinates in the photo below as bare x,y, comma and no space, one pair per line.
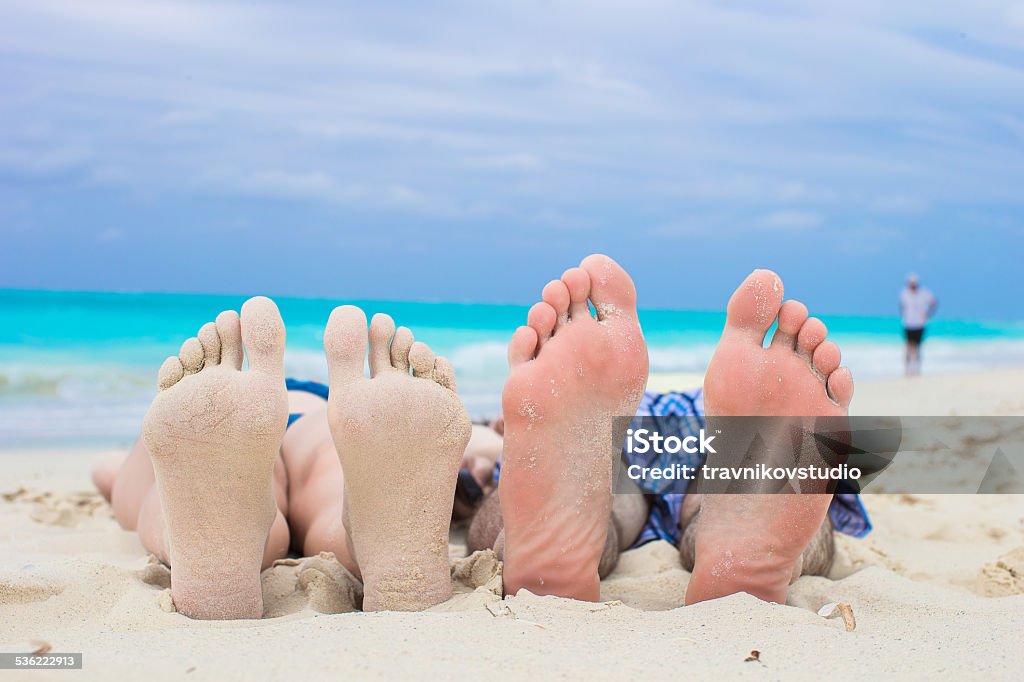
611,288
345,344
755,304
263,335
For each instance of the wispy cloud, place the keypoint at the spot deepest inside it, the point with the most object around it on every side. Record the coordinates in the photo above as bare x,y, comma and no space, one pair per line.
791,219
851,98
111,234
525,163
672,118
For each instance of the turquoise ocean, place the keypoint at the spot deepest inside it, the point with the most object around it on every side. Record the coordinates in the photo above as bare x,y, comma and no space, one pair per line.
79,368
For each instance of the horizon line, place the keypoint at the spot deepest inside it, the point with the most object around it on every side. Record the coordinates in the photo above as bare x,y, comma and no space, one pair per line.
525,306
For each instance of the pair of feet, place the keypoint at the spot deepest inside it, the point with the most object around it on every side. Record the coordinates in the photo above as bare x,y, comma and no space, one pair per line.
214,431
571,373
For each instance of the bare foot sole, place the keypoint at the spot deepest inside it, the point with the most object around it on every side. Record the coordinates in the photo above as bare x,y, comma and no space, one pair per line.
569,375
400,437
213,432
748,542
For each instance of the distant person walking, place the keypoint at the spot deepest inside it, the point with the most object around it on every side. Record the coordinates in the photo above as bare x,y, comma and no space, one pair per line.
917,305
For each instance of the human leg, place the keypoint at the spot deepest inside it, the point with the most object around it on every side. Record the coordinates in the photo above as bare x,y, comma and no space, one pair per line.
400,437
570,375
214,435
754,542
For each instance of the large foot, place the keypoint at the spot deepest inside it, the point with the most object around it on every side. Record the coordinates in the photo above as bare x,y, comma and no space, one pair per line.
753,543
400,438
570,374
213,432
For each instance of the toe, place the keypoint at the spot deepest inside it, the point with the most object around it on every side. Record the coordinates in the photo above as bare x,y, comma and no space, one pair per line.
400,349
191,355
422,360
211,344
382,330
826,358
811,334
345,344
263,335
542,318
556,295
792,316
840,386
754,305
444,373
170,373
523,346
611,288
577,283
229,329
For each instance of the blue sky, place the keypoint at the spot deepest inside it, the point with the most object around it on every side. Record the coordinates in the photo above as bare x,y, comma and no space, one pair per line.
473,150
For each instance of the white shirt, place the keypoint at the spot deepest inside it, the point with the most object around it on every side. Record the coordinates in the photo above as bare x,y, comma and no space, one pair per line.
916,307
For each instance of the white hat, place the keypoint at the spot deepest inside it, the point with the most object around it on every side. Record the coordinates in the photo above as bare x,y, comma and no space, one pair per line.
912,278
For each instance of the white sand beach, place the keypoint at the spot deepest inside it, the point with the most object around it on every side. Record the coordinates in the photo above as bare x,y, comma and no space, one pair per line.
936,589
